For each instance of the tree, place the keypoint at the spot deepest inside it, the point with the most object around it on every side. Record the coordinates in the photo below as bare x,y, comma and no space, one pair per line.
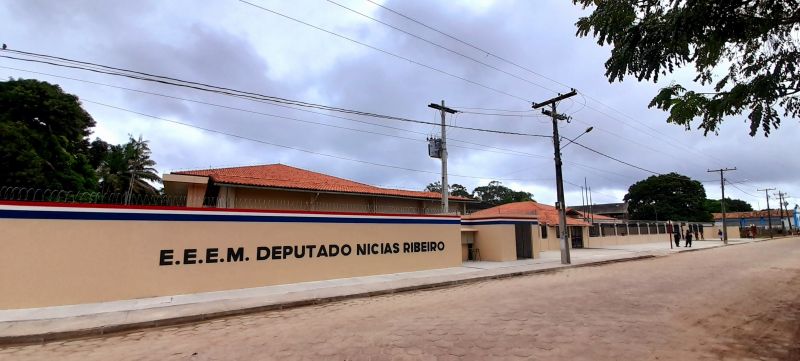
673,196
459,191
43,138
755,40
495,194
731,205
455,189
127,168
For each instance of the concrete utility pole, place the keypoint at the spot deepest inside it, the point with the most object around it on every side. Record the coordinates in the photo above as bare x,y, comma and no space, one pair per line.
769,211
562,216
445,185
722,201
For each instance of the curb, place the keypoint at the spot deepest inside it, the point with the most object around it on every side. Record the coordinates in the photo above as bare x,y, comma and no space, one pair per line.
185,320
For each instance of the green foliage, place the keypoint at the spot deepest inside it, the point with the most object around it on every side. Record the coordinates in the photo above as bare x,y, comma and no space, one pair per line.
455,189
495,194
43,138
756,40
672,196
731,205
126,161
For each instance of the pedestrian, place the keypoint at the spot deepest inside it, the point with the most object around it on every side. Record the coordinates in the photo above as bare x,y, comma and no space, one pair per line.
677,235
719,233
689,238
696,233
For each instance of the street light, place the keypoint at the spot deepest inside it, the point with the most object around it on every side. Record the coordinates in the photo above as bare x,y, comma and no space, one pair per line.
655,210
576,138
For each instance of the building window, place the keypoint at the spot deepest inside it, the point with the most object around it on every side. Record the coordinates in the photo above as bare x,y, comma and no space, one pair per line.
558,232
544,231
662,228
594,230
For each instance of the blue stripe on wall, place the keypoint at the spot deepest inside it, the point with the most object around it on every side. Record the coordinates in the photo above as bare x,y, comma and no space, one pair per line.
497,222
182,217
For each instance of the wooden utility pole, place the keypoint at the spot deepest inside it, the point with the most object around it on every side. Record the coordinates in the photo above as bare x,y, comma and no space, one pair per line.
781,196
562,216
769,211
445,185
722,201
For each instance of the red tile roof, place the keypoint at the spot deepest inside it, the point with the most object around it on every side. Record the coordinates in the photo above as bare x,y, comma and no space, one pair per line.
546,214
776,213
284,176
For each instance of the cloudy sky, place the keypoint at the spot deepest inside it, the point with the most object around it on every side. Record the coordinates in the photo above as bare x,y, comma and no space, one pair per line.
236,45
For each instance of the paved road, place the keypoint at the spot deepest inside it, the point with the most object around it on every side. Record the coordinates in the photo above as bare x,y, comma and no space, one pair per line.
733,303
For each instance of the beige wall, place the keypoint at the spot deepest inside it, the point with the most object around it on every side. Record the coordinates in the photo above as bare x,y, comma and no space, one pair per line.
496,242
195,195
254,198
58,262
600,242
711,232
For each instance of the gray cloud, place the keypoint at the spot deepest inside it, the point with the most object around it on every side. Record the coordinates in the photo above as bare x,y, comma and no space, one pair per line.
241,47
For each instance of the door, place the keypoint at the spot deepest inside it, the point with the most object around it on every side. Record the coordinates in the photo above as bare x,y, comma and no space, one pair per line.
524,244
576,235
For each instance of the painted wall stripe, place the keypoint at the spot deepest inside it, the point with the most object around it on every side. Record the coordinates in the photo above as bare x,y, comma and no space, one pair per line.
68,213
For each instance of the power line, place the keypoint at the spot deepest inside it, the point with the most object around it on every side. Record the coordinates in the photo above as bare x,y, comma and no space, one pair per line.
238,93
615,159
657,135
473,46
487,148
258,97
385,51
441,46
279,145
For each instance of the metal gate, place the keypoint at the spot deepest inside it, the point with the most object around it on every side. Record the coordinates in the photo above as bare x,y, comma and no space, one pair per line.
524,244
576,235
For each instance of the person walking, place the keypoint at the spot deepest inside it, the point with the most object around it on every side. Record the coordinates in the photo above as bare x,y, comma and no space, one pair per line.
696,233
719,233
688,238
677,235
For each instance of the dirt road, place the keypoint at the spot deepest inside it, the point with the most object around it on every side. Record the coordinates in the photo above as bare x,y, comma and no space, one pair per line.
734,303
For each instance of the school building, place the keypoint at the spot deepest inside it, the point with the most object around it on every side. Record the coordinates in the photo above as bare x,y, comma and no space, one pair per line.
282,187
244,227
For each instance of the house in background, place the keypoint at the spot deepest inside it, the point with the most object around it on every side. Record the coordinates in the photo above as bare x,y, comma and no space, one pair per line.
282,187
760,219
613,210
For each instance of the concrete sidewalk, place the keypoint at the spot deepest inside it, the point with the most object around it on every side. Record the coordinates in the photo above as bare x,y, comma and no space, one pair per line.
62,322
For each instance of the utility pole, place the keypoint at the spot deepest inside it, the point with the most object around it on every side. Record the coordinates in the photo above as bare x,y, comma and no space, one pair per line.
591,205
789,216
445,185
562,216
722,201
769,211
781,196
586,204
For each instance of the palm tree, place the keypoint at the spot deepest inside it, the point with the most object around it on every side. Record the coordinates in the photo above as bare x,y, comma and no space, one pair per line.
127,168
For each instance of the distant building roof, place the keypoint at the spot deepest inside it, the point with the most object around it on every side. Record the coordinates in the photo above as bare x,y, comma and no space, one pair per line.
597,217
776,213
544,213
605,208
287,177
